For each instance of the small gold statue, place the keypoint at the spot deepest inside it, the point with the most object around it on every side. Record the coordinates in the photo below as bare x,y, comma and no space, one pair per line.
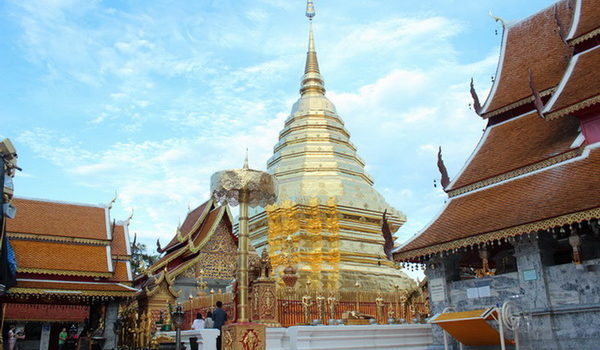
380,305
321,308
332,303
307,303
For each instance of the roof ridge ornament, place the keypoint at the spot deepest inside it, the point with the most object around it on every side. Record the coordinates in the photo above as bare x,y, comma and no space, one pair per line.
537,99
476,103
444,179
112,201
498,19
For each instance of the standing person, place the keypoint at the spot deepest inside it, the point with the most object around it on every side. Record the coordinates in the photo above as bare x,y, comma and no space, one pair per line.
198,322
196,325
20,337
62,338
219,318
12,337
208,321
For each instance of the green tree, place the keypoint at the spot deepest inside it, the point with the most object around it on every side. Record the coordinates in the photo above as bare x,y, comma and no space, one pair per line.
141,259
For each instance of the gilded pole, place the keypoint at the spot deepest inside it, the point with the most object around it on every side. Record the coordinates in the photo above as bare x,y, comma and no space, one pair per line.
242,286
247,188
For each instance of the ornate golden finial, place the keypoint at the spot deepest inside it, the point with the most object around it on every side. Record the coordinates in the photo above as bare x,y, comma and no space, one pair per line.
246,160
310,9
312,80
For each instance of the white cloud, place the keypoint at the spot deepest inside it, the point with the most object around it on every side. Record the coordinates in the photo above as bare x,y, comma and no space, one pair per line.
174,95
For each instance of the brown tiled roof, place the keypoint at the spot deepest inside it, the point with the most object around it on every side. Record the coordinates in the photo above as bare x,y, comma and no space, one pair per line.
182,254
120,272
583,84
517,143
80,258
589,18
58,219
190,220
90,288
533,43
570,187
119,241
207,225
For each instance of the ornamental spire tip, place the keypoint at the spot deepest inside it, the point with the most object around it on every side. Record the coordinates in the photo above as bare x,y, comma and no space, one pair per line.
246,160
310,9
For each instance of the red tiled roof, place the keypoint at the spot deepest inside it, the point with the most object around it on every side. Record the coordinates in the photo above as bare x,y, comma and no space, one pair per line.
560,190
58,219
119,241
208,223
85,288
190,220
583,84
46,312
179,256
517,143
533,43
120,272
589,18
71,258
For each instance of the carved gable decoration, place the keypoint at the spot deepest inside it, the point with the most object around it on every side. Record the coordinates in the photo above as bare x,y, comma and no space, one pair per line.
218,258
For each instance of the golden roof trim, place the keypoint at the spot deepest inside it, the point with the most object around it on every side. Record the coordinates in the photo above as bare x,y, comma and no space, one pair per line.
566,219
164,277
517,172
64,272
159,264
320,114
350,157
519,103
313,128
196,225
584,37
287,142
195,249
179,252
573,108
57,239
121,257
89,293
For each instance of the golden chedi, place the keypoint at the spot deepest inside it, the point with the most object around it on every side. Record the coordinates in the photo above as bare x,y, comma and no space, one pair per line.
327,222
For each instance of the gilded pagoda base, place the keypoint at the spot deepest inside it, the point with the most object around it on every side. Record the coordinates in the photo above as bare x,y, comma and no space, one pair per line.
244,336
264,302
331,247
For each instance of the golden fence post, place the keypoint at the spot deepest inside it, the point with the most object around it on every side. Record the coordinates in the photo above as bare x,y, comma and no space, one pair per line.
357,285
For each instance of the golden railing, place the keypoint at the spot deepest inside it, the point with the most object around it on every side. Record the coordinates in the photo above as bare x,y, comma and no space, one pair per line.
291,310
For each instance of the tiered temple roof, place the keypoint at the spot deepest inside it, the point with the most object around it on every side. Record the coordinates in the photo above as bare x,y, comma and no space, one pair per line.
534,44
535,168
204,241
69,250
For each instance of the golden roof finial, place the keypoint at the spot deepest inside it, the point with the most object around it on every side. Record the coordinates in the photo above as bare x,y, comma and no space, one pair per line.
310,9
312,80
246,160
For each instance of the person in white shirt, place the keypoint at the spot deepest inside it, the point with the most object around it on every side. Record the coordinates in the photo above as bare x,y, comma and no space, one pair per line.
208,321
198,322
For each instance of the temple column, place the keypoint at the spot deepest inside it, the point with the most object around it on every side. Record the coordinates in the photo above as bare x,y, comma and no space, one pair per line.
440,270
112,310
532,254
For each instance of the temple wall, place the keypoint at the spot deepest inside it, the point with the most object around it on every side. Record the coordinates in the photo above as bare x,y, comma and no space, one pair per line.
502,287
563,302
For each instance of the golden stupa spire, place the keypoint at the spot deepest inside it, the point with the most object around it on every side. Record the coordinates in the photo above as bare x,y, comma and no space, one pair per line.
312,80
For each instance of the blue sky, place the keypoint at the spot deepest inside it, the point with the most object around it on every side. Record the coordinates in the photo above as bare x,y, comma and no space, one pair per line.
149,98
